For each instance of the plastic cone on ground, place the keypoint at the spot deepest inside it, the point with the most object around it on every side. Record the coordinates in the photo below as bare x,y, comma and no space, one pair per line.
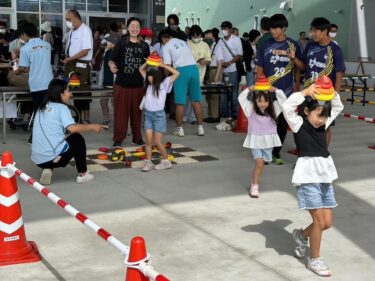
242,123
137,254
14,248
293,151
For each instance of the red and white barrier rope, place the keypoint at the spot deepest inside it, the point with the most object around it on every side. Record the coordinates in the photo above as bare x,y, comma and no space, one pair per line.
362,118
143,266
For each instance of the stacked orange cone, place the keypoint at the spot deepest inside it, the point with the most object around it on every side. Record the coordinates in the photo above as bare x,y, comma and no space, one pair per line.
137,254
14,248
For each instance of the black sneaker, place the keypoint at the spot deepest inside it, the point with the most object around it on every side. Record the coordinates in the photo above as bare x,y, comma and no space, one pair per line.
141,142
30,140
117,144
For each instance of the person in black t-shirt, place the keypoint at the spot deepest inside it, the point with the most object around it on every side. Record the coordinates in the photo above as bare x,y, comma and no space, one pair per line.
127,57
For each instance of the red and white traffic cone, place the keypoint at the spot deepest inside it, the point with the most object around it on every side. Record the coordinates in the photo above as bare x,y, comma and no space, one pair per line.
137,254
14,248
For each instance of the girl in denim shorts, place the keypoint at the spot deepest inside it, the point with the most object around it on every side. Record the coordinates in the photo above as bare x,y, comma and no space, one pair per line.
155,122
314,171
262,134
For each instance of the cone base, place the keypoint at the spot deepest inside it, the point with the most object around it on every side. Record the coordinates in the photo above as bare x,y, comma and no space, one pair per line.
133,274
239,130
293,151
32,255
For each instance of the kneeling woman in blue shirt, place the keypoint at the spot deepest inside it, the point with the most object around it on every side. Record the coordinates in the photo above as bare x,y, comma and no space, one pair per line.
51,148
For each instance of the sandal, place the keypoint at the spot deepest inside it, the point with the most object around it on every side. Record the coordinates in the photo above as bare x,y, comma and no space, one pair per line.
117,155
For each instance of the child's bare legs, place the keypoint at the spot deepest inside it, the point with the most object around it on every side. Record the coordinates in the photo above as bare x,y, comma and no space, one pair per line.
322,220
158,137
149,137
257,171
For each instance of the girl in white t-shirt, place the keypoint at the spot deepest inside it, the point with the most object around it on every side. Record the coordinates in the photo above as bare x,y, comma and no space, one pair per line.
155,122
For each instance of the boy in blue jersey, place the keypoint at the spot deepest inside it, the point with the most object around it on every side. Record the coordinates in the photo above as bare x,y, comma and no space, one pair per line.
322,56
277,59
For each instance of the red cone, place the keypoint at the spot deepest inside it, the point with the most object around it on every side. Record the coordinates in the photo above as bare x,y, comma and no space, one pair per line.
137,253
372,147
242,122
14,248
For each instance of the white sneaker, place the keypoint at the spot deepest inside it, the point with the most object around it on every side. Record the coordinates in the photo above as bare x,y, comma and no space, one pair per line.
179,131
318,267
200,130
300,250
163,165
46,176
85,178
148,166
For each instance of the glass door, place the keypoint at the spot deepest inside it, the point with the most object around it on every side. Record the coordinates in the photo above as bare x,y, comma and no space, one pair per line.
96,22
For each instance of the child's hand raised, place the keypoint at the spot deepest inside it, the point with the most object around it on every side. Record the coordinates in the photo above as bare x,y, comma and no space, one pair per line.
251,88
310,91
272,89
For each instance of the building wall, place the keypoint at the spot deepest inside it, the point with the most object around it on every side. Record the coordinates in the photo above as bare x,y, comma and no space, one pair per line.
213,12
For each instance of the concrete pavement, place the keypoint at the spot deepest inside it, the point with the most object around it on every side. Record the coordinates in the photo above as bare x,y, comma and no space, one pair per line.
197,219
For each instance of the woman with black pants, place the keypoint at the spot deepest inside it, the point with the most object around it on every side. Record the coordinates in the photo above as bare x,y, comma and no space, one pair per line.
51,148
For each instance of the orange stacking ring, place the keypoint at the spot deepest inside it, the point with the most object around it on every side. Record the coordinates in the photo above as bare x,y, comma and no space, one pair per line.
102,156
325,88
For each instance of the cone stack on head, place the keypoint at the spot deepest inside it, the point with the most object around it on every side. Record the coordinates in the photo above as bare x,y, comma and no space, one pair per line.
262,84
325,90
153,60
74,81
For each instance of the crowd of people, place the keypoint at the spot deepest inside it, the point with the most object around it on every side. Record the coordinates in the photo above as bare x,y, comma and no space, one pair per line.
155,75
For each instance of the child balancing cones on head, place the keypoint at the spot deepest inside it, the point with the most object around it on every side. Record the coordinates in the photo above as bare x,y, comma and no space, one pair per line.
257,104
155,124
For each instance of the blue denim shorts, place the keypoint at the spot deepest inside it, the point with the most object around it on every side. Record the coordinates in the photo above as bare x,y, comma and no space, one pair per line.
316,196
265,153
156,121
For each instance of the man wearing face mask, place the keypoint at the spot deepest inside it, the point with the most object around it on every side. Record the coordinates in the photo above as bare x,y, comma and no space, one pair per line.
214,76
79,53
232,52
173,23
4,41
333,32
202,55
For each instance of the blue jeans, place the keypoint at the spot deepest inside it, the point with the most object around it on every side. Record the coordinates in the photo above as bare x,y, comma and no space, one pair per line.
316,196
249,78
230,98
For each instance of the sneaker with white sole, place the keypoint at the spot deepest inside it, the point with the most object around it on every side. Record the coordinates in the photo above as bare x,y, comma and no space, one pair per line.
163,165
200,130
300,250
318,267
148,166
254,191
179,131
46,176
85,177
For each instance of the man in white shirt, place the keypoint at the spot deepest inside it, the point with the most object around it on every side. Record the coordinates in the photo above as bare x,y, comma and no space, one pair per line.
232,53
211,37
177,53
79,54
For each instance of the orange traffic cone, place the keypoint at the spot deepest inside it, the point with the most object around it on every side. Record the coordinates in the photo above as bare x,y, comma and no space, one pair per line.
242,122
14,248
137,254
